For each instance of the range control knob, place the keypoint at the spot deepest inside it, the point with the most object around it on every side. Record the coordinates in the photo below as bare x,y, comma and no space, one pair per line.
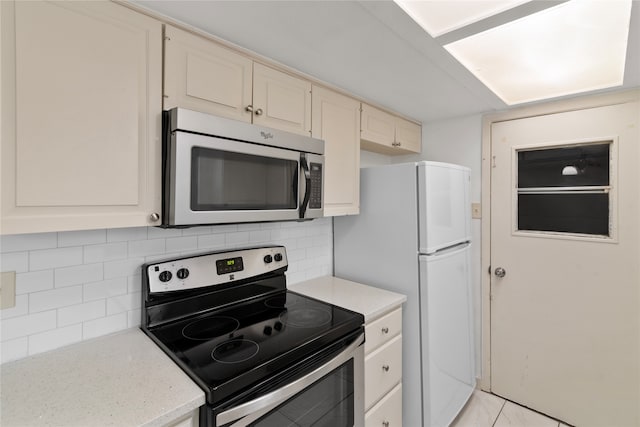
277,326
267,330
268,259
165,276
278,257
182,274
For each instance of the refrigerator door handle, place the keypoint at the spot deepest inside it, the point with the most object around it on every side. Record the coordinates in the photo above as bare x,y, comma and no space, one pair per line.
450,249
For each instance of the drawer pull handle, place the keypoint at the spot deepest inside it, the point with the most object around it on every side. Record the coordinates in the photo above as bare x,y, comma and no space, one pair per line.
385,368
385,330
385,424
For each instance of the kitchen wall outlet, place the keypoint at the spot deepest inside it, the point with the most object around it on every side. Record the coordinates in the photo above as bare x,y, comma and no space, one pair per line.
476,212
7,289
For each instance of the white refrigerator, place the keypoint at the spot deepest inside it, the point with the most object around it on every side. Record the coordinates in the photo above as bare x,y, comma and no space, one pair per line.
413,236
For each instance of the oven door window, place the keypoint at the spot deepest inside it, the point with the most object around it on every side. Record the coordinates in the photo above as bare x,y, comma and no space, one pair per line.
328,402
228,181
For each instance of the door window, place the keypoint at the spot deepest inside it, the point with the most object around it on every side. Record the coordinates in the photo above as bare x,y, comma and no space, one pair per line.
328,402
565,189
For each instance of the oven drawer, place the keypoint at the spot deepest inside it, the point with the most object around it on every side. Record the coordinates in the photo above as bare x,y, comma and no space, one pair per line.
382,330
382,371
387,412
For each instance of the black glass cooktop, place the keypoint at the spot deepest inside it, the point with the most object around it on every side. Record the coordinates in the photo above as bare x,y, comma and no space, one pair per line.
226,350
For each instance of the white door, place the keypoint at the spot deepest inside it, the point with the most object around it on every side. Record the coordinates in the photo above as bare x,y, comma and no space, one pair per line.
565,230
446,329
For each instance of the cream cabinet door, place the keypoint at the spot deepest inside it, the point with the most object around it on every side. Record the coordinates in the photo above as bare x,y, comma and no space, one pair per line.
408,136
336,120
281,101
81,116
378,127
203,76
388,134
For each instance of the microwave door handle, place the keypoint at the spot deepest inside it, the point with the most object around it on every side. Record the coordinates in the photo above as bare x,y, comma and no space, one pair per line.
296,184
307,188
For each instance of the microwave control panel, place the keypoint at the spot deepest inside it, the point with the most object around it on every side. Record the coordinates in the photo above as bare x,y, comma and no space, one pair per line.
315,200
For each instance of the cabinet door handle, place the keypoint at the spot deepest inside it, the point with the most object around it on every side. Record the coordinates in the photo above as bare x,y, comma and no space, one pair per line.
259,112
249,108
385,368
385,330
385,424
154,217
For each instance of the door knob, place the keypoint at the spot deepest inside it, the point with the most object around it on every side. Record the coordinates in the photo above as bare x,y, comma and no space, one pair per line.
500,272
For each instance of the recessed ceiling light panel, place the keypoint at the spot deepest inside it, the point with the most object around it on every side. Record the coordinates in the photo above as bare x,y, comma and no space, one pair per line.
438,17
575,47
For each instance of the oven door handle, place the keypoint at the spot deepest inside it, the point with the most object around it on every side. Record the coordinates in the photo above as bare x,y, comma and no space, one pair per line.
263,404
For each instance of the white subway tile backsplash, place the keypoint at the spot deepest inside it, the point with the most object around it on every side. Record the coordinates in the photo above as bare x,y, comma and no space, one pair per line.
125,267
134,318
249,227
81,312
141,248
28,242
56,298
14,349
15,261
49,340
105,289
23,326
181,244
104,326
124,303
105,252
126,234
80,238
79,274
195,231
79,285
134,284
20,309
34,282
211,241
163,233
240,238
259,236
53,258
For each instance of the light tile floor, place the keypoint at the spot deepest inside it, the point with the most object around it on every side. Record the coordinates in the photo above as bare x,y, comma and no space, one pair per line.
489,410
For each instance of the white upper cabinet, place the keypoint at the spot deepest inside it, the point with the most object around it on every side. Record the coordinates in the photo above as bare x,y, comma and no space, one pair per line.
281,101
81,116
388,134
336,120
204,76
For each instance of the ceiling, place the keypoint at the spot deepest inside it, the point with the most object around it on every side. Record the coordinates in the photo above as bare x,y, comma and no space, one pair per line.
371,49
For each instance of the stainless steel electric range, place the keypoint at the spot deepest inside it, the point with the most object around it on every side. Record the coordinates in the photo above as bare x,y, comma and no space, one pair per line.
263,355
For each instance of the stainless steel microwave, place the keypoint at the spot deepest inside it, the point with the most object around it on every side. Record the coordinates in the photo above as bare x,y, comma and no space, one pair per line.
218,171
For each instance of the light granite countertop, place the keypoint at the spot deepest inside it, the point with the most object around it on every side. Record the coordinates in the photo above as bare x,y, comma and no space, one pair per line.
372,302
123,379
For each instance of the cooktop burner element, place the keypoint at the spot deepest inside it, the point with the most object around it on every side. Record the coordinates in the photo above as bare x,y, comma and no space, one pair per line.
233,330
305,317
210,327
235,351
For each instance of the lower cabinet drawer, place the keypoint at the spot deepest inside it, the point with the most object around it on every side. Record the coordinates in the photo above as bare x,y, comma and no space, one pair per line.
382,371
382,330
387,412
